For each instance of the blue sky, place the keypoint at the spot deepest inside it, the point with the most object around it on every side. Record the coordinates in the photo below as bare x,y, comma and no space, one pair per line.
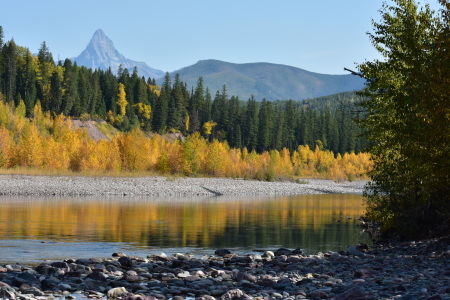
319,36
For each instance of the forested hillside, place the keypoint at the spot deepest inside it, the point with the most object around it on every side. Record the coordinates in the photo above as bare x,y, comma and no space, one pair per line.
266,80
128,101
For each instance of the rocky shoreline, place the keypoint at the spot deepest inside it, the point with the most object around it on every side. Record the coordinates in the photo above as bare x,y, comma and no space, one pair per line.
24,185
413,270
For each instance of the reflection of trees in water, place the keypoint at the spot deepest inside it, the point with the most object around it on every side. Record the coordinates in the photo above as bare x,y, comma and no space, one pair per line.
261,236
297,221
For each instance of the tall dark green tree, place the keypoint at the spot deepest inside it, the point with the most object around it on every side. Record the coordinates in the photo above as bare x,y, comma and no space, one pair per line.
1,47
108,85
234,136
407,120
250,133
26,82
85,92
1,37
176,105
197,107
220,113
162,106
71,101
291,122
265,128
56,95
206,114
279,128
332,131
9,66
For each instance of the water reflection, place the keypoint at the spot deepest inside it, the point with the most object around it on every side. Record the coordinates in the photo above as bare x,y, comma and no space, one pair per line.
312,222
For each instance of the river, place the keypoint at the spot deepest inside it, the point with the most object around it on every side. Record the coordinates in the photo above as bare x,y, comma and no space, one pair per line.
34,229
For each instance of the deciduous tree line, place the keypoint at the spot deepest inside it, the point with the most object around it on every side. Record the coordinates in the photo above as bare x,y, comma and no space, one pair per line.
50,143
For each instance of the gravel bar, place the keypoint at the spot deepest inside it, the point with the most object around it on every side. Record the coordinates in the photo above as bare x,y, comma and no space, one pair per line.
406,271
24,185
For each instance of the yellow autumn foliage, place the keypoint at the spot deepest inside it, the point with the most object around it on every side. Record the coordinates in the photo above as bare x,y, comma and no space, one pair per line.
122,99
50,143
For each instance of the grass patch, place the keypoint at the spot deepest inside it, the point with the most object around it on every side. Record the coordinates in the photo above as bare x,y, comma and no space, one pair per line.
107,129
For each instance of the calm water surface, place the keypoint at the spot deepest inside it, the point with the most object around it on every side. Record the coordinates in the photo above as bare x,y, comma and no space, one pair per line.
36,229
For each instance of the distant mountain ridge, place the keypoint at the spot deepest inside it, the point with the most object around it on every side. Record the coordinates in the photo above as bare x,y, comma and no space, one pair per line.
262,80
100,53
266,80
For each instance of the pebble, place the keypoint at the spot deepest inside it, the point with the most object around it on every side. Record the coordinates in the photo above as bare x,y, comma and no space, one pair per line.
24,185
412,271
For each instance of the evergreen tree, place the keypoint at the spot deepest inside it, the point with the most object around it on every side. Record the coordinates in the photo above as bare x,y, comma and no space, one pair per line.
56,95
9,66
1,47
162,106
207,115
1,37
220,113
279,128
332,131
71,102
27,82
108,85
250,134
46,66
85,92
265,128
300,127
176,109
233,132
96,103
140,91
197,107
291,122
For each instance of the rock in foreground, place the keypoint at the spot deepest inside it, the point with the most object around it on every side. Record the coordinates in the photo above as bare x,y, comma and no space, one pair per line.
415,270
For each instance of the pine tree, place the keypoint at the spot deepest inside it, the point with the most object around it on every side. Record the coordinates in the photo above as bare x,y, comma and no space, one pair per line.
220,113
197,107
56,95
279,128
250,134
46,66
332,131
71,100
26,80
9,66
207,114
291,122
108,85
96,105
176,109
1,37
266,113
162,106
1,48
233,132
85,91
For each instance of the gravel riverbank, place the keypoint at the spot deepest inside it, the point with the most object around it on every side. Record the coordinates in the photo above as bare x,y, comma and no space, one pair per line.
21,185
407,271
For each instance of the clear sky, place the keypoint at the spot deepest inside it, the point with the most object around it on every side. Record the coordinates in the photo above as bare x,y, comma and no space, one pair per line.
320,36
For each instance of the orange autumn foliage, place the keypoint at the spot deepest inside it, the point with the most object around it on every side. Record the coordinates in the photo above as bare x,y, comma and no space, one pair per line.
50,143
